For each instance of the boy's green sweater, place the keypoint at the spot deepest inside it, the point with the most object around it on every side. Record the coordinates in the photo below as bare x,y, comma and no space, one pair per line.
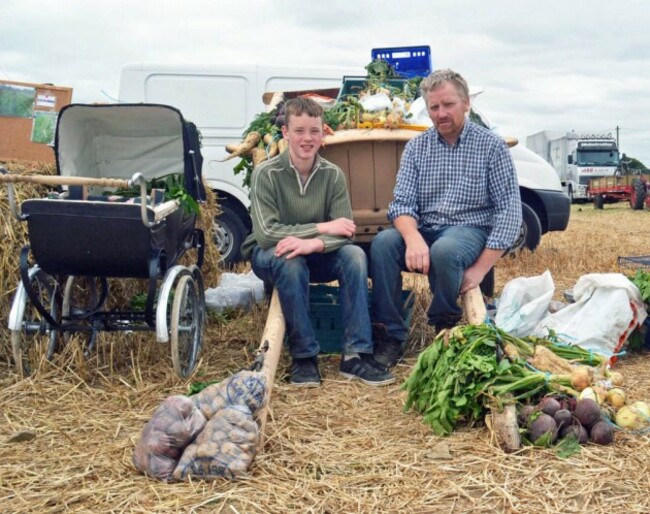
281,206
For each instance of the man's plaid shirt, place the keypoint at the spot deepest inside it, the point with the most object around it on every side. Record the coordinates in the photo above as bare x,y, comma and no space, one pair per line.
473,183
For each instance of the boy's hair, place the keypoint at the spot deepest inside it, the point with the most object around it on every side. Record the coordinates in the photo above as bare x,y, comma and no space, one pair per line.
299,106
439,77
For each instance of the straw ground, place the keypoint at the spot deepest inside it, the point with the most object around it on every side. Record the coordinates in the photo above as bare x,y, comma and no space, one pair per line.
68,432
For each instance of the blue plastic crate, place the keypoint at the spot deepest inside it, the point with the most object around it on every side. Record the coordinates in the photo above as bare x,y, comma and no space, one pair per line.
325,315
408,61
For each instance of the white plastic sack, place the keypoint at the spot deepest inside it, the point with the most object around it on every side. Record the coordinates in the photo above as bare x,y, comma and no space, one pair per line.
607,308
376,102
235,290
524,303
417,114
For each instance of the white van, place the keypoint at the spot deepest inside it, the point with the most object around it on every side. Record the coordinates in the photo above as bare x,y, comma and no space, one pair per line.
222,102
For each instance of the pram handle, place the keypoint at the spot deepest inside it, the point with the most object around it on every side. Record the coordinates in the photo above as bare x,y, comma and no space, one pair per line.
58,180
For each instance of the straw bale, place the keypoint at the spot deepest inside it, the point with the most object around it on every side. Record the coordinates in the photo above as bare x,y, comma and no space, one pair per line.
343,447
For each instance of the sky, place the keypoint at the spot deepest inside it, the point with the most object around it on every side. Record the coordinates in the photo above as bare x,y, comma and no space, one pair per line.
580,65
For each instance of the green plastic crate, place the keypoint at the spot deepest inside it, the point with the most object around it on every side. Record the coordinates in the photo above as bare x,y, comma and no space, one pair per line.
325,315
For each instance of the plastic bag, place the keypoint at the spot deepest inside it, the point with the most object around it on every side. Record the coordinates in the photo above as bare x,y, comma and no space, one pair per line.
174,425
607,309
225,448
243,388
235,290
376,102
418,114
524,303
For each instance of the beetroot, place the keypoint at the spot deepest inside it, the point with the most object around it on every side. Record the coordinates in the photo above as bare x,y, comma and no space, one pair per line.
524,413
563,418
543,430
549,405
577,430
587,412
601,433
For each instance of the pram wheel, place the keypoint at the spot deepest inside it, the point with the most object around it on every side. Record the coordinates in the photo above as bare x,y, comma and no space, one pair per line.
82,297
35,331
187,318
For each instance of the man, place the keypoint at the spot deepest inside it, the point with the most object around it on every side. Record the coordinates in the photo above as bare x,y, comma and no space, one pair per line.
455,211
302,232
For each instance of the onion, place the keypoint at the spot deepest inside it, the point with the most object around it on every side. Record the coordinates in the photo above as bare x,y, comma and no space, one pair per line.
616,378
616,397
628,417
588,393
644,411
581,378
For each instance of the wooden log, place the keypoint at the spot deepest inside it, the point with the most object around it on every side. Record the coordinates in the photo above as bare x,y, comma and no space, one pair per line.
59,180
474,306
271,346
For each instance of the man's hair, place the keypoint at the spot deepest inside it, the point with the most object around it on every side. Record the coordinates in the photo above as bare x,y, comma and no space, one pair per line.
299,106
439,77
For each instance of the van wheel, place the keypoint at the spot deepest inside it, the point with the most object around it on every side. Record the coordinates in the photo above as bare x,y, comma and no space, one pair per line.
229,234
531,230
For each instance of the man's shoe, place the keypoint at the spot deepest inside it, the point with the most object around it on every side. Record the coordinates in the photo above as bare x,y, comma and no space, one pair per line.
304,372
367,370
388,351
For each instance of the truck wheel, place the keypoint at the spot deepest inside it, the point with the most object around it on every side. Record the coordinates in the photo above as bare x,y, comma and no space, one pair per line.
599,202
229,234
637,195
531,230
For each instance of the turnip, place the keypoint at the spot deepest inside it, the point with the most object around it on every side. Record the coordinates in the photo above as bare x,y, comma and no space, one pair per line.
524,413
601,433
587,412
581,378
563,417
543,430
549,405
576,430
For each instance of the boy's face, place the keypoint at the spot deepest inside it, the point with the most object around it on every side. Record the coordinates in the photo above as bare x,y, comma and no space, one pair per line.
305,135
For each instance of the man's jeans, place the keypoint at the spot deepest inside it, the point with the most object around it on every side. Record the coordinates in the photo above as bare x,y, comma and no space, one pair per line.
453,249
291,277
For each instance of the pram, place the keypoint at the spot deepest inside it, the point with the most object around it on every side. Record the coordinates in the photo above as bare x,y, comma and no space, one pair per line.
133,177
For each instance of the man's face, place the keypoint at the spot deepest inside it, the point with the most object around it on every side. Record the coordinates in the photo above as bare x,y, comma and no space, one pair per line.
304,134
447,110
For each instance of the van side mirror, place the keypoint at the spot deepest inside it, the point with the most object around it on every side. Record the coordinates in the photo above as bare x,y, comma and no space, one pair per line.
569,159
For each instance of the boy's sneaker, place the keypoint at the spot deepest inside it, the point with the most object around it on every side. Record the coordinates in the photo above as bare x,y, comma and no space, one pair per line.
367,370
304,372
388,351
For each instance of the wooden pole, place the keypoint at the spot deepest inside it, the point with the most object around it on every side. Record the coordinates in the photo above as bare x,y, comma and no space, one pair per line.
271,346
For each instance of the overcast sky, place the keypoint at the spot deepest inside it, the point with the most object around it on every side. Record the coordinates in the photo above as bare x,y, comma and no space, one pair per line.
557,65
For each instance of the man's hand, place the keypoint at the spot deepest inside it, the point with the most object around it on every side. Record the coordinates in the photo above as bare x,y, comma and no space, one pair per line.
417,255
338,227
292,246
471,278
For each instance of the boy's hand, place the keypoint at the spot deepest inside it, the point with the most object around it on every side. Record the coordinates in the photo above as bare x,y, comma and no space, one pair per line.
292,246
338,227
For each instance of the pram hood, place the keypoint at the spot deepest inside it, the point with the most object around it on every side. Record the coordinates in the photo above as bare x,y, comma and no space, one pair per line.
118,140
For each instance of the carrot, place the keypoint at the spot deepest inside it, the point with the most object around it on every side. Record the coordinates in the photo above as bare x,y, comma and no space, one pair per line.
245,146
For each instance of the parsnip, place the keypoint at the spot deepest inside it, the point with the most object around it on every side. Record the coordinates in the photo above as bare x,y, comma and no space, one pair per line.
251,140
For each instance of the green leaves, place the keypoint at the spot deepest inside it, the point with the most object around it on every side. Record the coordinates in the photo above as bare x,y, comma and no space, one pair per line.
641,279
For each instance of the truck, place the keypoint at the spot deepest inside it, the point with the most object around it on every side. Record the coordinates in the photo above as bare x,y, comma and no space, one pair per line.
577,158
223,100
